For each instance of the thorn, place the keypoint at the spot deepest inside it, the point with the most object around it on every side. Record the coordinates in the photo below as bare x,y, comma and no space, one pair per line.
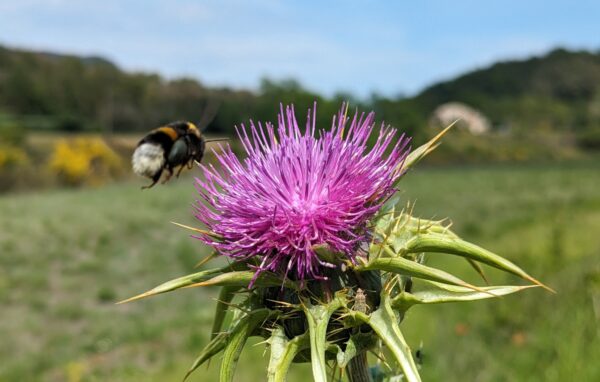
436,139
540,284
335,331
284,303
202,231
382,359
137,297
206,259
262,343
479,270
481,290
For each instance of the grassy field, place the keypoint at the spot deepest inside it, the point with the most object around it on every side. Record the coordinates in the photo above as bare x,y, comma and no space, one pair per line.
67,256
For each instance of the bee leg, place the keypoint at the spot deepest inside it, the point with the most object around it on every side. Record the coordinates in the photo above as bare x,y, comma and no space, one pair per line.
180,169
169,175
155,179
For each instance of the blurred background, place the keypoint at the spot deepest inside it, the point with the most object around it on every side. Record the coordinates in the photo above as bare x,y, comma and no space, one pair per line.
82,81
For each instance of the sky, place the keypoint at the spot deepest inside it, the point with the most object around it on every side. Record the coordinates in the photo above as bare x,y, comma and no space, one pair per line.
361,47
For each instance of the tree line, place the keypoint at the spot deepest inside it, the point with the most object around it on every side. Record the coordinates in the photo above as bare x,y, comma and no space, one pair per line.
559,91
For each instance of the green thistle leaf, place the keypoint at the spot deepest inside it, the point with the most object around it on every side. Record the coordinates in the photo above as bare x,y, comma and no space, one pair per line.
411,268
244,278
457,294
214,347
237,340
435,243
397,229
188,280
355,345
385,323
225,296
318,317
404,235
283,352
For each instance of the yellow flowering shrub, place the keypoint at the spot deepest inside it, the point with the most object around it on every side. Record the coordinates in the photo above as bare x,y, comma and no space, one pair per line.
12,157
84,161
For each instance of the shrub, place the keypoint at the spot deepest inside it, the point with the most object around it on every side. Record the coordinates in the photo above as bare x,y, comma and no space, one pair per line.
84,161
589,140
12,132
11,156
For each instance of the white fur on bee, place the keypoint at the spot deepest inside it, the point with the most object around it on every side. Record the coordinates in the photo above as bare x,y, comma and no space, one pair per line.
148,159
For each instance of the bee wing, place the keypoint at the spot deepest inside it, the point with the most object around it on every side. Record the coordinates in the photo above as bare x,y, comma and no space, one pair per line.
209,112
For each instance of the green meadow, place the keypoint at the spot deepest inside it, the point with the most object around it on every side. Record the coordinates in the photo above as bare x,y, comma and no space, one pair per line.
66,257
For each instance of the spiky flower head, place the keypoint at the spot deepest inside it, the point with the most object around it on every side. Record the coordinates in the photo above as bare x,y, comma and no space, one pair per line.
299,188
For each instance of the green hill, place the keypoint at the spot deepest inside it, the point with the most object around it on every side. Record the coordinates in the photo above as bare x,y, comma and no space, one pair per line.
70,93
558,91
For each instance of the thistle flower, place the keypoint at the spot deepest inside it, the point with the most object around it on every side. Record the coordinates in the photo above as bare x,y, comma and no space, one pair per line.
299,189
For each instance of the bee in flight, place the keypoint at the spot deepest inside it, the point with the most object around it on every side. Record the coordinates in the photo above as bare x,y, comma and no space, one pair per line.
163,149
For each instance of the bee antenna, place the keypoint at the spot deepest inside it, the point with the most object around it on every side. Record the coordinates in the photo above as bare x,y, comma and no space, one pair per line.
216,139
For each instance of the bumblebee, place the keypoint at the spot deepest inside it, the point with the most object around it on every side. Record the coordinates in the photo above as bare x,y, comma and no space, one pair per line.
163,149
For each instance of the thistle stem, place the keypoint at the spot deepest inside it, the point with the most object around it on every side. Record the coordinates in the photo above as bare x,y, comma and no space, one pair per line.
358,368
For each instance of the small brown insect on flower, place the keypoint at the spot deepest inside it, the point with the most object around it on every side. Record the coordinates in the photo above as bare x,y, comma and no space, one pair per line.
360,302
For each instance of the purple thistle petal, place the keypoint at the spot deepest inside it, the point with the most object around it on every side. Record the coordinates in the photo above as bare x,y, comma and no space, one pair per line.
297,189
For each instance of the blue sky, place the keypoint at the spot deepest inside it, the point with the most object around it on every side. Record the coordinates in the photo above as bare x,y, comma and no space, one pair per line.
390,47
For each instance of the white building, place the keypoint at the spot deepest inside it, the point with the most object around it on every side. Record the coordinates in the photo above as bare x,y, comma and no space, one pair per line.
470,118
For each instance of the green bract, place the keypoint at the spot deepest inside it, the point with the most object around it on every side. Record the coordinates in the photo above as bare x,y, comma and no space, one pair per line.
321,322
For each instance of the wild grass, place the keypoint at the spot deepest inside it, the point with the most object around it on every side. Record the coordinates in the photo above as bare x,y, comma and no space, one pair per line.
67,256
